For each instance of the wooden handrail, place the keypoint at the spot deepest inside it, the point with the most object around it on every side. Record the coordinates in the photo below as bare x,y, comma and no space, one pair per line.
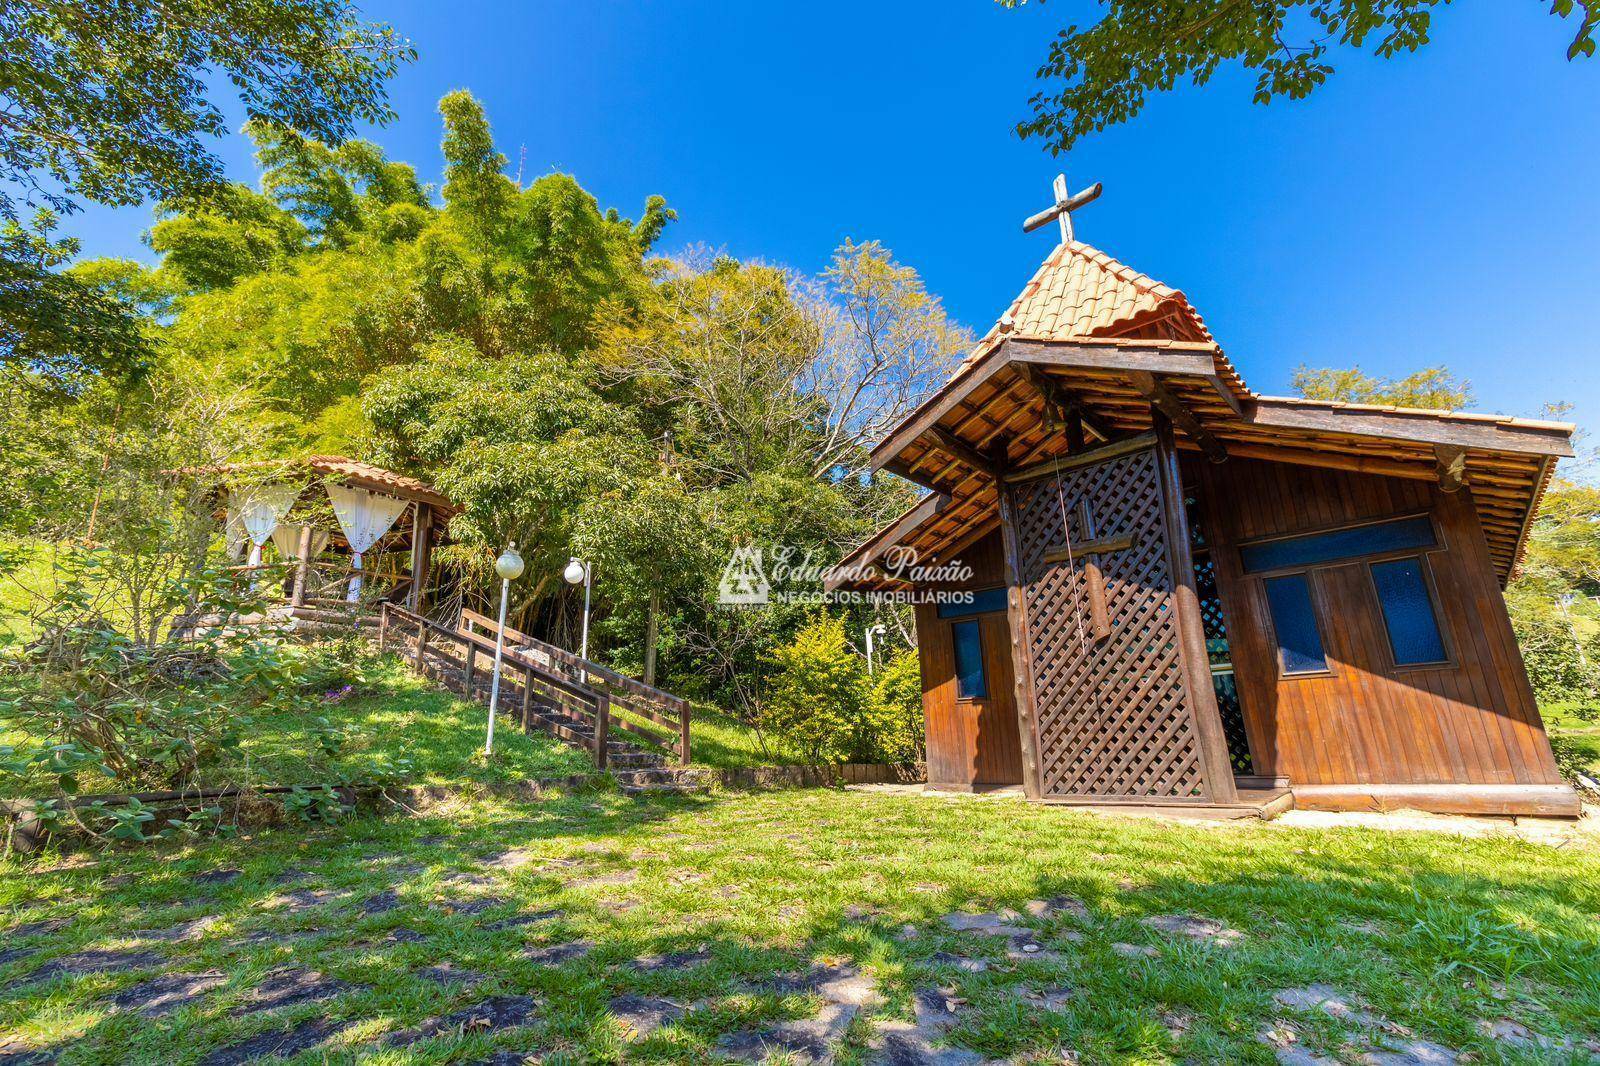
482,644
676,706
470,618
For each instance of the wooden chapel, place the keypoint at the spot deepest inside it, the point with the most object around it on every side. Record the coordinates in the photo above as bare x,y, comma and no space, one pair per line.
1184,594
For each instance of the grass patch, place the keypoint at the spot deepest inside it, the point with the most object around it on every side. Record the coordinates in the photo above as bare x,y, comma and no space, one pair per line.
1433,933
391,719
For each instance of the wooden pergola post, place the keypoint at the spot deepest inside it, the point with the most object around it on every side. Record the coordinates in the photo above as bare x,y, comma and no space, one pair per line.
302,568
421,554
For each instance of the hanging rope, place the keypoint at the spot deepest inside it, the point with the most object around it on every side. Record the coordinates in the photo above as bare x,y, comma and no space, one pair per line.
1085,650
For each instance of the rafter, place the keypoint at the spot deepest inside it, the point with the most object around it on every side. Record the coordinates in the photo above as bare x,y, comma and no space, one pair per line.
1162,398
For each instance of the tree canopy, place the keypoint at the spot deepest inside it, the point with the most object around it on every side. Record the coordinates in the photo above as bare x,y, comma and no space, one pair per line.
111,102
1102,75
1433,387
525,350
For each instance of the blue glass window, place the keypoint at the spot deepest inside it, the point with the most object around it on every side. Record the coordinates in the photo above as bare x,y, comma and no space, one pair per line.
1338,544
1408,612
1294,621
982,602
971,684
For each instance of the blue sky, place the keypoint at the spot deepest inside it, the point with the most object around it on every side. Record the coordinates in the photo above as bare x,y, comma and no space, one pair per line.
1436,208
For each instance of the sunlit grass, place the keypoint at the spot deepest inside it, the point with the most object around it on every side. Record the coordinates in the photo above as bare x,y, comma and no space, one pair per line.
1433,932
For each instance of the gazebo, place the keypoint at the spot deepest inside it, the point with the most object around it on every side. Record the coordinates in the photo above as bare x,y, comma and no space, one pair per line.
373,510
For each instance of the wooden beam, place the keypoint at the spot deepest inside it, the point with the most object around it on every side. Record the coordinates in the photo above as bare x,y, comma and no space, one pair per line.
1423,426
903,469
963,452
1067,462
920,512
1193,361
937,406
1452,466
1054,392
1168,404
1021,649
421,555
1355,464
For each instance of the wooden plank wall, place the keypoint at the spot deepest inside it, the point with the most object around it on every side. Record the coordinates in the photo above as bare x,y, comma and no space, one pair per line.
1472,721
970,742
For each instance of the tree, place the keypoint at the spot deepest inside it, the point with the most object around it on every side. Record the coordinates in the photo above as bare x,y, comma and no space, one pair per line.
1433,387
58,330
1102,75
107,101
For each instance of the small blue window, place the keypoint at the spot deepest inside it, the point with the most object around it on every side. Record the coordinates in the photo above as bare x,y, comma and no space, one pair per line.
1294,620
981,602
1338,544
1408,612
971,684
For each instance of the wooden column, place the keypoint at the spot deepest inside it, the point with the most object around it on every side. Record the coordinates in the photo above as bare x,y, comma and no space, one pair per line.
421,554
1191,629
1021,650
302,568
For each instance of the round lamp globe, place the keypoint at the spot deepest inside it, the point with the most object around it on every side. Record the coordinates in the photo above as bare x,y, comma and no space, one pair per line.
574,573
509,565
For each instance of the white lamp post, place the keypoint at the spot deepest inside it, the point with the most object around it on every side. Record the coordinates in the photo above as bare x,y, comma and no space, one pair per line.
873,631
509,567
578,571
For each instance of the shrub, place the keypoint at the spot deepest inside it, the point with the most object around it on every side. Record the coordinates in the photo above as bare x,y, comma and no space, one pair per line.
824,705
817,700
895,709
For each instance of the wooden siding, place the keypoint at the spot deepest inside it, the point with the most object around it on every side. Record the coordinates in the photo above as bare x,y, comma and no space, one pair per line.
1470,721
975,741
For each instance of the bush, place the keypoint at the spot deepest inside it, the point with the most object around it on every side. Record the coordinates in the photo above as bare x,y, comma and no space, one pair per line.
823,704
817,701
895,708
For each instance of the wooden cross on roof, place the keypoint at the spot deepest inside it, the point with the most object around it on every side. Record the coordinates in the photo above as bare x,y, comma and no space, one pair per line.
1064,206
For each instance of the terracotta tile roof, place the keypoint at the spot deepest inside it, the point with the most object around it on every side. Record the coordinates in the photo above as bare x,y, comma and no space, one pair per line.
354,471
376,477
1079,292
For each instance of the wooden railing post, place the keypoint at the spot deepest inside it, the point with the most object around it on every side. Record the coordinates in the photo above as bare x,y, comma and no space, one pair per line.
602,727
683,732
383,628
527,698
472,669
422,641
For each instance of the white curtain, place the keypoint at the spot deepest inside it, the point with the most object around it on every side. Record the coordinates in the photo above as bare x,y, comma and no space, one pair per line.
365,517
286,538
260,509
233,532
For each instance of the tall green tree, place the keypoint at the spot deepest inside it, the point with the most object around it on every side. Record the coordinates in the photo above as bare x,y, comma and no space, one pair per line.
110,102
1102,75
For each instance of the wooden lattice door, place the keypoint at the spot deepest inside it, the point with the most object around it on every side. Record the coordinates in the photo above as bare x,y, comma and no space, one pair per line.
1115,711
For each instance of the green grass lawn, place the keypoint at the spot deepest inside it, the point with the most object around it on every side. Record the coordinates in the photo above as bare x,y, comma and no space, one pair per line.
731,919
397,715
393,715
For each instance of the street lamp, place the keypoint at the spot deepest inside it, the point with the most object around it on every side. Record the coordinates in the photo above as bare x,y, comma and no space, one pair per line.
509,567
577,572
873,631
